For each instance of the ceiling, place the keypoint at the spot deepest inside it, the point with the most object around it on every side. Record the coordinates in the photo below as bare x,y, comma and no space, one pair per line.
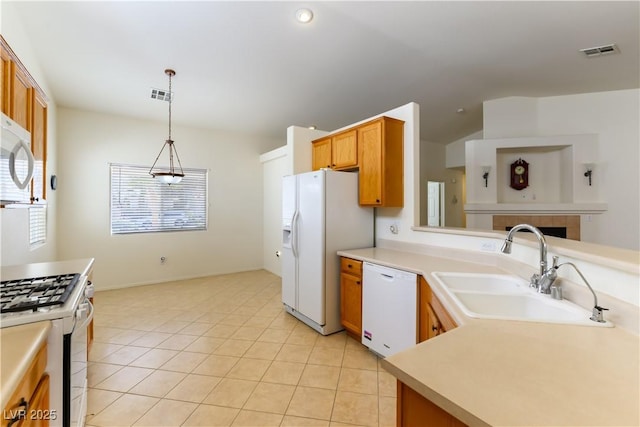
250,67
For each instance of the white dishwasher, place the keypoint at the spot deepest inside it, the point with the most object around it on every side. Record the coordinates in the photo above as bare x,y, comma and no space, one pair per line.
389,306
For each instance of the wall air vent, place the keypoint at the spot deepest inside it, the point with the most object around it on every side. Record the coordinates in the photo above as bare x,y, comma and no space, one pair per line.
600,50
160,94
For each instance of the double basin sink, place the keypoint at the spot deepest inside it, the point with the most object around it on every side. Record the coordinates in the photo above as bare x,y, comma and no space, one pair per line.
506,297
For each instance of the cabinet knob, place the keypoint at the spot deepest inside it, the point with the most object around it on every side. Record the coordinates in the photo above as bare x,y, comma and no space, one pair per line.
434,328
357,282
349,266
377,200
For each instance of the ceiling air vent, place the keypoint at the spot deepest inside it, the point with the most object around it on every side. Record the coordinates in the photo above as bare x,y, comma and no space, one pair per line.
160,94
600,50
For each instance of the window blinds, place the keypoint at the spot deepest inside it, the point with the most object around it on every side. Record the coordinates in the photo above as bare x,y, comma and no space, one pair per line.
37,224
142,204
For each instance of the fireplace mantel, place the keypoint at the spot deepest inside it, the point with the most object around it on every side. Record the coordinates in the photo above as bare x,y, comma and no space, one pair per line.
535,208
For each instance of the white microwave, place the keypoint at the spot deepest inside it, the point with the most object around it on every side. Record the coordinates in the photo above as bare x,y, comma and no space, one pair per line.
16,162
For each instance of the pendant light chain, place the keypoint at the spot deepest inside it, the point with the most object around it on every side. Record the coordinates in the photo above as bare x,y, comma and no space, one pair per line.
170,73
171,177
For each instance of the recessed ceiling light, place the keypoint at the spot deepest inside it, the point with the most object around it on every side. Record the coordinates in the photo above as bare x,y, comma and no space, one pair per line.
304,16
460,110
312,127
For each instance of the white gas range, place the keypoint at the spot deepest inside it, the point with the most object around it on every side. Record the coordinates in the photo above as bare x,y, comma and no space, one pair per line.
58,292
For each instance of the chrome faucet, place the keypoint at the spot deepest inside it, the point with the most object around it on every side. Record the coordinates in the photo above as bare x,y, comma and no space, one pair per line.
597,313
541,282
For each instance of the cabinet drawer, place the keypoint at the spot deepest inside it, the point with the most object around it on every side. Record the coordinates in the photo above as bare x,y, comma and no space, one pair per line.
351,266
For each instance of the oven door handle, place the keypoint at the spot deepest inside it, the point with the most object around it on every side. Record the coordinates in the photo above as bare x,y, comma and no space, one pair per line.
81,309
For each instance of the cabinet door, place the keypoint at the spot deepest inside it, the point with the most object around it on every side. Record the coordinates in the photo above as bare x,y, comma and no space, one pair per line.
39,148
39,412
20,99
433,323
415,410
321,153
344,150
351,303
5,83
89,333
370,154
433,318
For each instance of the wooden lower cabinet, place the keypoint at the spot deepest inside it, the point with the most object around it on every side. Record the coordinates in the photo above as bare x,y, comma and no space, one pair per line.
412,408
29,404
433,319
416,411
351,296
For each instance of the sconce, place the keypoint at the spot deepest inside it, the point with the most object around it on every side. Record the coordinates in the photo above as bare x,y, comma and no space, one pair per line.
588,171
485,174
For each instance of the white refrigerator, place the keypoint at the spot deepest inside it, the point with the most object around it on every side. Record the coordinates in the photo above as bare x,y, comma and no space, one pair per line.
320,216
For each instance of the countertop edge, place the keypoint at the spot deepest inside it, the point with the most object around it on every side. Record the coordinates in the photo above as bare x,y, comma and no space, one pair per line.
82,266
20,355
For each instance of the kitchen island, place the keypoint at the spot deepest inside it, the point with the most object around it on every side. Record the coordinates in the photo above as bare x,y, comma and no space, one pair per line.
498,372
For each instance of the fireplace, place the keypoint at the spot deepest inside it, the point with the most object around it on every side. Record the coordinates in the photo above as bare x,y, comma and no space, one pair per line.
565,226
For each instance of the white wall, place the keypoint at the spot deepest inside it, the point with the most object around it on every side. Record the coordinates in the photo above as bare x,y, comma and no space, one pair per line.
615,118
456,149
510,117
14,224
432,168
274,166
233,241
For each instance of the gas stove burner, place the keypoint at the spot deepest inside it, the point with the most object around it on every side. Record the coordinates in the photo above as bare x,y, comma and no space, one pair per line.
32,294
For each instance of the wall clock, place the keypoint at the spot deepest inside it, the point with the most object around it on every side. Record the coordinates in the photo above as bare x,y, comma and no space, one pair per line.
519,175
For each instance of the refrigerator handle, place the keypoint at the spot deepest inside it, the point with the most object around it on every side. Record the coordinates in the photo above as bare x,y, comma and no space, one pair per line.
294,234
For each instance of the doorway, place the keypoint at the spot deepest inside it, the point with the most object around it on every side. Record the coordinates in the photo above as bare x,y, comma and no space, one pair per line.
435,204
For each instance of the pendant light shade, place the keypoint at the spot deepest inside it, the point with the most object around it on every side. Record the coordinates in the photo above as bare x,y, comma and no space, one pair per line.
173,175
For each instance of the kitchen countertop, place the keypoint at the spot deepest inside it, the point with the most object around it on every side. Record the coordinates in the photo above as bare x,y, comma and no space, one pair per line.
510,373
18,346
82,266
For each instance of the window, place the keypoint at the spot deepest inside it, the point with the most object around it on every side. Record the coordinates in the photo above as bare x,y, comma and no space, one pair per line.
37,224
141,204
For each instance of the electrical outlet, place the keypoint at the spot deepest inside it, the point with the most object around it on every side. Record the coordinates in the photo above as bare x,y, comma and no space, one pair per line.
488,246
394,228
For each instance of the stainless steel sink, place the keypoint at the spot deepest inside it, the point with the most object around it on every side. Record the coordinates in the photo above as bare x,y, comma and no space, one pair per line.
501,296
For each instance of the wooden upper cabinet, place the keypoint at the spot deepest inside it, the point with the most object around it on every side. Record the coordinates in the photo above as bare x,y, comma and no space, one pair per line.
321,153
39,148
344,150
20,99
24,102
339,152
380,154
5,83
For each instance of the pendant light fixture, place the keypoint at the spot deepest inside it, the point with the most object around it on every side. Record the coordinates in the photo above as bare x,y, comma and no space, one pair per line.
172,176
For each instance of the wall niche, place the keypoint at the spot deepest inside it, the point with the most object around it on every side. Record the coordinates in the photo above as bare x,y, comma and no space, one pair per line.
550,174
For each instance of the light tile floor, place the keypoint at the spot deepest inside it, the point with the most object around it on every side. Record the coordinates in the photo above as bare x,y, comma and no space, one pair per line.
220,351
